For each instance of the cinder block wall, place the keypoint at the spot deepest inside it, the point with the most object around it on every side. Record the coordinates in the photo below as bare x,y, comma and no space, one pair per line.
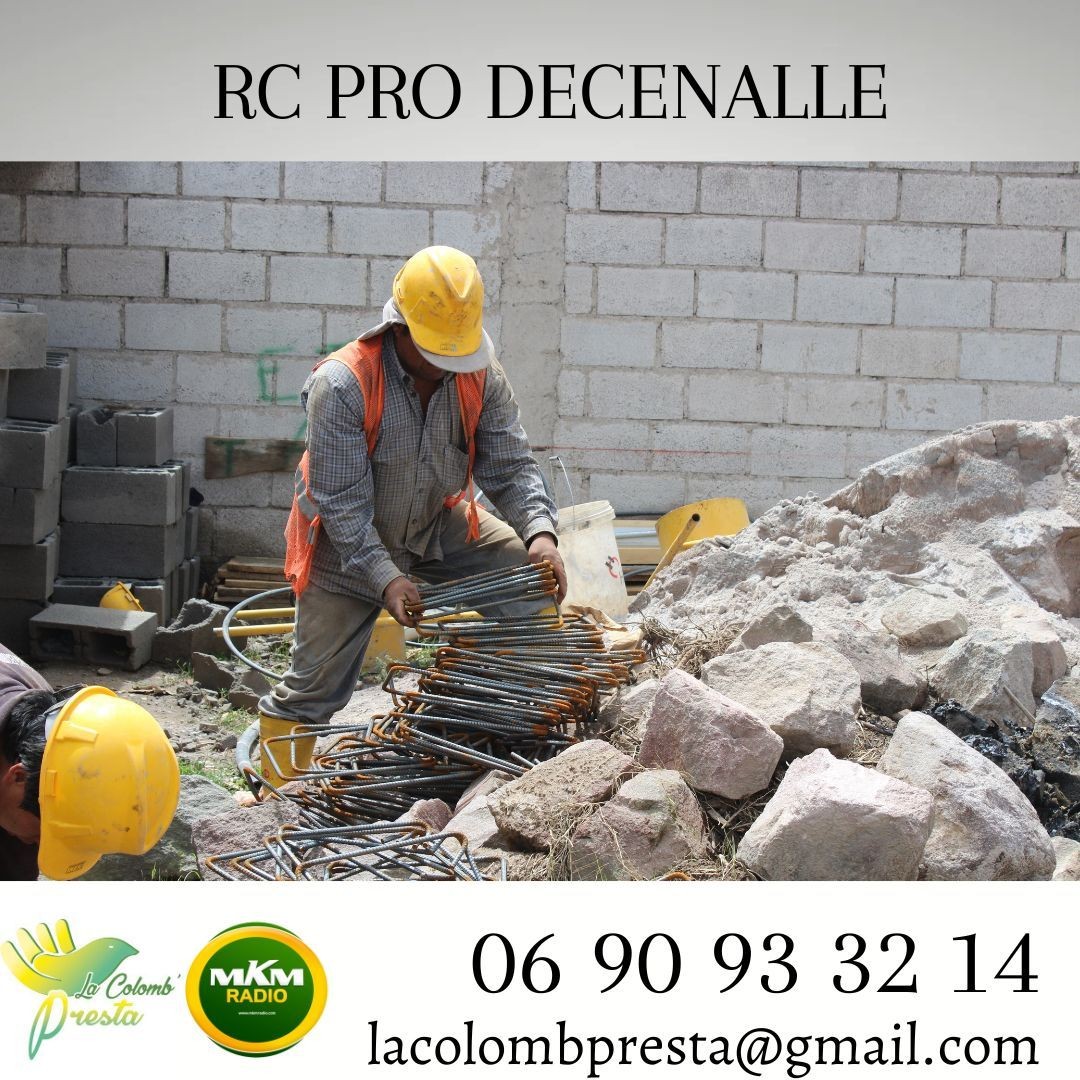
674,331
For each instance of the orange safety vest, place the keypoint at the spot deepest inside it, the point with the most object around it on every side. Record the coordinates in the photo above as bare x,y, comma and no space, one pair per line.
364,360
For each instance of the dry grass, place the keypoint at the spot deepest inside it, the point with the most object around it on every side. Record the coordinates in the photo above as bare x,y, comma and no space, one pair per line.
871,739
688,649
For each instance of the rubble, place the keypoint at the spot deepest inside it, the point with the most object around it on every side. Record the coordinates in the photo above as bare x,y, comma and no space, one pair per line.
918,617
834,820
719,746
992,673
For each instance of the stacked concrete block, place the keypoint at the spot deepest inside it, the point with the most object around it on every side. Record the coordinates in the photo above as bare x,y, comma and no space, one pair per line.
125,511
34,400
93,636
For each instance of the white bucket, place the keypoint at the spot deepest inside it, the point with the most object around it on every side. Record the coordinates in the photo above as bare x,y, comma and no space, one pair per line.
590,552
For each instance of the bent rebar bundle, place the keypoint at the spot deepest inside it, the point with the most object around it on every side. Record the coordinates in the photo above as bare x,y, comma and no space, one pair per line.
504,693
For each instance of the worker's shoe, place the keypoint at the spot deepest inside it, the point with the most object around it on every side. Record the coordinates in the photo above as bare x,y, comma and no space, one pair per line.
282,756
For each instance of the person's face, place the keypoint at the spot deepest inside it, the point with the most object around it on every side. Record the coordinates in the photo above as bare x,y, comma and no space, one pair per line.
411,359
19,823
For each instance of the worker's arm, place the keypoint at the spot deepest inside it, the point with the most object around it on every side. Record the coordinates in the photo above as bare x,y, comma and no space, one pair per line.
504,466
340,479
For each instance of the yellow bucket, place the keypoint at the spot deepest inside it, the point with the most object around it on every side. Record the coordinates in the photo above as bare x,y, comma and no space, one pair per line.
387,642
719,517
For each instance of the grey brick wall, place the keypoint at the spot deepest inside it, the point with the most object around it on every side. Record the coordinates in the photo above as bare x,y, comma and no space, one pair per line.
674,330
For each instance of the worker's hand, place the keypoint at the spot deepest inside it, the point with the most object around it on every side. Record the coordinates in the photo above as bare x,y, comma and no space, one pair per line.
543,546
396,595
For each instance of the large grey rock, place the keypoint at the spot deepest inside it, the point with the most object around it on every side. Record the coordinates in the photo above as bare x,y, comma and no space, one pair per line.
536,809
173,856
483,785
651,825
834,820
780,623
475,822
433,814
240,829
718,745
1047,650
1055,739
919,618
1067,853
212,673
984,827
982,670
628,712
190,632
887,682
807,693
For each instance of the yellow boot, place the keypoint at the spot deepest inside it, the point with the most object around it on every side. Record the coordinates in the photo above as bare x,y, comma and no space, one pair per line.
282,759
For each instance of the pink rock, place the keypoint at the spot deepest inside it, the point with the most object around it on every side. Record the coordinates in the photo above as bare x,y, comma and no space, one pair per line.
433,813
719,746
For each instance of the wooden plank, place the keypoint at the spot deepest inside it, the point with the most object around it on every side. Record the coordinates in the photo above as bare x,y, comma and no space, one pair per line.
256,564
242,457
252,586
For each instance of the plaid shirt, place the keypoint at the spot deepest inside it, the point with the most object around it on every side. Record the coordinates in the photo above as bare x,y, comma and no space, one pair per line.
381,515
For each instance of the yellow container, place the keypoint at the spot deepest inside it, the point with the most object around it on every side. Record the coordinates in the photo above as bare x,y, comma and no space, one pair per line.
387,642
719,517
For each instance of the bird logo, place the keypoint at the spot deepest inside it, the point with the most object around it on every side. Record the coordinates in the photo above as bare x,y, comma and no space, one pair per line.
48,960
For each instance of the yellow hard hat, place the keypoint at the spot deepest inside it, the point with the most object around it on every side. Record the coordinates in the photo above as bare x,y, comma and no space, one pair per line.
109,782
441,296
121,598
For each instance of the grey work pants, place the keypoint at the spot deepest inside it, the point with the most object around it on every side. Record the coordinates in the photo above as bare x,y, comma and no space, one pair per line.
333,630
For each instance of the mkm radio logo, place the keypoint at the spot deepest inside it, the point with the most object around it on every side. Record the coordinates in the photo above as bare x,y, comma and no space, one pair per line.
84,986
256,989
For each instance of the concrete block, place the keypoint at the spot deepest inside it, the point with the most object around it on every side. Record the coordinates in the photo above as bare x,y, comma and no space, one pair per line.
280,227
40,393
603,444
476,232
910,354
842,298
179,549
73,431
4,373
1016,253
95,439
636,395
1012,357
746,294
933,406
937,302
750,190
28,515
610,342
775,451
74,219
15,616
721,449
27,571
581,185
30,271
193,581
937,197
631,291
809,245
648,188
284,330
835,403
25,176
191,631
84,324
31,453
238,179
177,223
333,181
302,279
639,493
705,343
579,290
821,350
217,275
121,496
116,272
91,549
701,241
458,183
1040,201
1070,359
867,447
913,249
136,177
93,635
144,437
1072,255
191,531
1041,306
858,194
175,602
569,393
378,231
10,219
174,327
738,396
1032,402
154,595
22,340
612,238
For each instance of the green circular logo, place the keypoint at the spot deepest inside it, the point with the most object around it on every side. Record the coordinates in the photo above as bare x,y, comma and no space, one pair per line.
256,989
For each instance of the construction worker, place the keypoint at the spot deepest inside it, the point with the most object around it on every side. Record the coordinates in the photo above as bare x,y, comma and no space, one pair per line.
83,773
400,422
